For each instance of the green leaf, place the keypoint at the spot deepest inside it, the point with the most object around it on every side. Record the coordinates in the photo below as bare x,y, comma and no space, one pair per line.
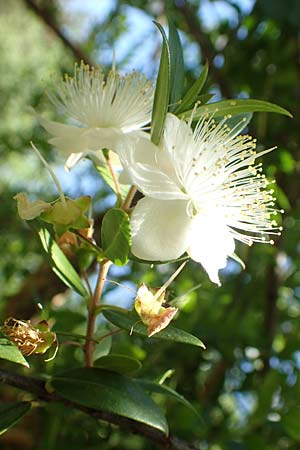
162,90
10,352
58,262
115,236
176,66
108,391
237,106
11,413
118,363
192,94
291,421
151,386
236,123
129,320
107,178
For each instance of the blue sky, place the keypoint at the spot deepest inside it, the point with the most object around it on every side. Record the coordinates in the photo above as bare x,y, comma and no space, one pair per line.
140,27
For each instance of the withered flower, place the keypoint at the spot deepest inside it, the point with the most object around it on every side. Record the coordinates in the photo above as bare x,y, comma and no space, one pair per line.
30,339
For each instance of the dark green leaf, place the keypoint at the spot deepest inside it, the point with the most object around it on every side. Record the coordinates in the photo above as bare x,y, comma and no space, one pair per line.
11,413
108,391
291,423
192,94
118,363
115,236
176,66
151,386
130,321
59,263
162,90
238,106
10,352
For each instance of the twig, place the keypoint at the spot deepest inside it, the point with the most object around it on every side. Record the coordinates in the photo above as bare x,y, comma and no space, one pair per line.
89,346
128,200
37,388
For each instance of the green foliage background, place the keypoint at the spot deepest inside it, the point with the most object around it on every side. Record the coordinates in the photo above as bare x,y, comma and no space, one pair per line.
246,385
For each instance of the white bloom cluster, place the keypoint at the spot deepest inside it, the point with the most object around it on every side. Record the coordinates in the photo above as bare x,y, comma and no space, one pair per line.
202,188
106,110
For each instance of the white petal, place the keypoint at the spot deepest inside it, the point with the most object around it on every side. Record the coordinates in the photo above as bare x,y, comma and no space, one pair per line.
159,229
210,243
72,139
149,169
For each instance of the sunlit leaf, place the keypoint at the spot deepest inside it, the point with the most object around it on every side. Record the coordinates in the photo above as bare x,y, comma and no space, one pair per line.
192,94
10,352
162,90
238,106
176,65
58,262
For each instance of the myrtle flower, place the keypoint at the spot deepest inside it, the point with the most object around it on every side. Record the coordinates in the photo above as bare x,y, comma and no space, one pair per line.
104,111
203,189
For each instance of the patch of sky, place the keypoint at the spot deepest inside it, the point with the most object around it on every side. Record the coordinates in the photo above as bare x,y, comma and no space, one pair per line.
212,13
88,13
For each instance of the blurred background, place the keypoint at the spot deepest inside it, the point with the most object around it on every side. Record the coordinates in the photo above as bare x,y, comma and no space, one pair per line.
246,385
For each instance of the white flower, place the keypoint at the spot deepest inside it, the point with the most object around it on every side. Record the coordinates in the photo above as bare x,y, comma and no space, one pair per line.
104,110
202,191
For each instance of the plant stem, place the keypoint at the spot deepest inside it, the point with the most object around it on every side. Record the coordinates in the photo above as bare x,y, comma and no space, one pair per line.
129,198
90,344
113,174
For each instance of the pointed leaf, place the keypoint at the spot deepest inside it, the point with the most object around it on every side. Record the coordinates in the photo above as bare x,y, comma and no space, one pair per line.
11,413
115,236
10,352
118,363
59,263
108,391
176,66
237,106
129,320
162,90
193,93
151,386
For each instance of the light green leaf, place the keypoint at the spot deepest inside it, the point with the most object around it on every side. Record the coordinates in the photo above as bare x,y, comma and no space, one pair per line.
58,262
108,391
192,94
118,363
176,66
129,320
10,352
11,413
151,386
107,178
115,236
237,123
162,90
237,106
